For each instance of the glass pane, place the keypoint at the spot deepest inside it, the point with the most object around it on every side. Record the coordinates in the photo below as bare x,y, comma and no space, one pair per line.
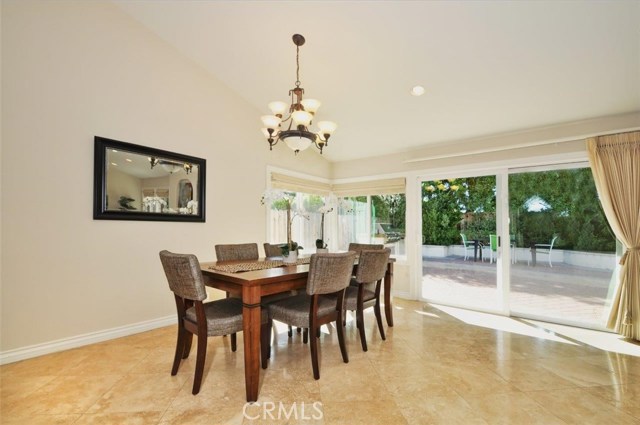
388,221
352,221
564,253
459,250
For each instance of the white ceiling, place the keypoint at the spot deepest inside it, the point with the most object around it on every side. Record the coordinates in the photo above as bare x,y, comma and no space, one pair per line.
488,67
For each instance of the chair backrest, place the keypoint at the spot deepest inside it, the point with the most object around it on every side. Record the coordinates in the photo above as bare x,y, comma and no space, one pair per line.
493,242
329,273
273,250
372,265
184,275
234,252
357,247
464,239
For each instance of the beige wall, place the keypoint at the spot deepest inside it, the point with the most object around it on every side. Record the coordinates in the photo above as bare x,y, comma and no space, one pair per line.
73,70
563,140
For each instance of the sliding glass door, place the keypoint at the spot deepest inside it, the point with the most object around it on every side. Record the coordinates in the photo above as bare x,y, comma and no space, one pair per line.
563,251
460,245
530,242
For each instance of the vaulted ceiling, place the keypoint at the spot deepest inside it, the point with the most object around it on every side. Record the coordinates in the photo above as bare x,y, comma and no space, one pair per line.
488,67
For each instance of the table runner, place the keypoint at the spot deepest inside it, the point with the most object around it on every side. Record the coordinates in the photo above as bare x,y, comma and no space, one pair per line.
256,265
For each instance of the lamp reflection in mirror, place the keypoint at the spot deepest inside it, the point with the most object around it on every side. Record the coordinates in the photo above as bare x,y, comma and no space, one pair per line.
301,114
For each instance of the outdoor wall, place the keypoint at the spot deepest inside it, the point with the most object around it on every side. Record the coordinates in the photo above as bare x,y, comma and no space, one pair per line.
73,70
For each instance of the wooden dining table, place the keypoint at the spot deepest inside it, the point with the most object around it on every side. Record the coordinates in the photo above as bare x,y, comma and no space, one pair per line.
251,286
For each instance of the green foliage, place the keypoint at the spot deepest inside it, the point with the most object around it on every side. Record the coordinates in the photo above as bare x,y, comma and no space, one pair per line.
313,203
286,249
566,200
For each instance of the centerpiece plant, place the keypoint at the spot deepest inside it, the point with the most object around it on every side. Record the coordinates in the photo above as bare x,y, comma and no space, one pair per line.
285,201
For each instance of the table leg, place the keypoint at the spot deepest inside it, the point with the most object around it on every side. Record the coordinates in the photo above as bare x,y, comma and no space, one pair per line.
251,324
388,312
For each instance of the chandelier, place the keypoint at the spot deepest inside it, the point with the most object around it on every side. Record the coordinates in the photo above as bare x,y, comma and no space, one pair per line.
301,114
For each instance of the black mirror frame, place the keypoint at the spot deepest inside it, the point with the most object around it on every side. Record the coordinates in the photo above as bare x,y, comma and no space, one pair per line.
100,212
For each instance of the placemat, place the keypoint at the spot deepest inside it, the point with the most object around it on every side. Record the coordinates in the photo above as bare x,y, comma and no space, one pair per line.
256,265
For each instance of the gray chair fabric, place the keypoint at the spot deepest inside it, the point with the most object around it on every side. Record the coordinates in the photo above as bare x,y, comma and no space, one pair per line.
236,252
357,247
273,250
214,318
328,274
372,267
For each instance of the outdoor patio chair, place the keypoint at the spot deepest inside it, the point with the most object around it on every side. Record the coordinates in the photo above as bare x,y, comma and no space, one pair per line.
467,246
544,248
493,248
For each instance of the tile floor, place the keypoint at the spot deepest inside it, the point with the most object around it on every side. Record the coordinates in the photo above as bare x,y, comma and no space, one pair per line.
435,367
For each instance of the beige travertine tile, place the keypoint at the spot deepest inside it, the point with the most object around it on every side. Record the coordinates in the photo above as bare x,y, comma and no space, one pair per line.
433,368
9,419
63,395
446,410
363,412
576,405
511,408
136,418
140,393
624,397
529,375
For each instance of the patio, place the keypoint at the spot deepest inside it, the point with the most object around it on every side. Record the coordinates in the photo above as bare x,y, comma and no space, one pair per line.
575,294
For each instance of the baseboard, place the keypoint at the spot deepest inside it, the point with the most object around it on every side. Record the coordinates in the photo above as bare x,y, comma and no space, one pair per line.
18,354
402,294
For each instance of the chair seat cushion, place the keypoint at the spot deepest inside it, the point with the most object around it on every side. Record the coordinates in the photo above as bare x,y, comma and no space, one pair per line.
295,310
223,316
351,297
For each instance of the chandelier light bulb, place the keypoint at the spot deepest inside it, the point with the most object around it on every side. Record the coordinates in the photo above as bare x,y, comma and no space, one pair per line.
327,127
302,118
270,121
417,91
278,108
311,105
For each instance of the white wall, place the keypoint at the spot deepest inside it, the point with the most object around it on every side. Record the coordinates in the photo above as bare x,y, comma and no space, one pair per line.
73,70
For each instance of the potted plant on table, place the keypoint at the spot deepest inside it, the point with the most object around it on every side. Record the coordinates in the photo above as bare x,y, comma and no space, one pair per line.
281,200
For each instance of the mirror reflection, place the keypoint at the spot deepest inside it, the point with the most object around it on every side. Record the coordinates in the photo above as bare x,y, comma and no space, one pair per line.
143,183
134,182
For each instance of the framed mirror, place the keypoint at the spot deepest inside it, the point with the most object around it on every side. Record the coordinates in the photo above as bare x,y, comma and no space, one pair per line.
133,182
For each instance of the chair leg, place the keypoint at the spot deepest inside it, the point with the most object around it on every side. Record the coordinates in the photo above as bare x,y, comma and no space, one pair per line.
376,310
343,346
202,354
305,335
179,350
188,339
234,342
360,325
290,332
314,356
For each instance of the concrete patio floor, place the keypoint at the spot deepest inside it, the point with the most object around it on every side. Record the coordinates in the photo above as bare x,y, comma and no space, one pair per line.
572,294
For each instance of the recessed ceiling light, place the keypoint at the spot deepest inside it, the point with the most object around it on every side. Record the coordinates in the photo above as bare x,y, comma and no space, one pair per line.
128,160
417,91
113,163
113,150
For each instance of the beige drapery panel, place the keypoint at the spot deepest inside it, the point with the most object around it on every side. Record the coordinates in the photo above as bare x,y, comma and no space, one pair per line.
297,184
371,187
615,163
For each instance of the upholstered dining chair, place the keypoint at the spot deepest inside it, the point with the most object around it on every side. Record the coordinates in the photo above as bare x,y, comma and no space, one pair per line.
328,274
372,266
215,318
236,252
273,250
357,247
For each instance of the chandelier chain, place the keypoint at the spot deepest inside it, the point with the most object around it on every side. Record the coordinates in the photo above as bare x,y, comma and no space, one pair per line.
297,66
